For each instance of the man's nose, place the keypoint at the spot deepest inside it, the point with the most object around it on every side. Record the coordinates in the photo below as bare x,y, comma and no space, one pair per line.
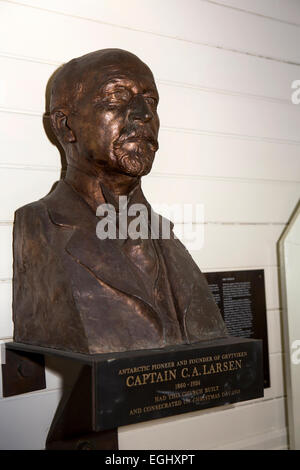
139,109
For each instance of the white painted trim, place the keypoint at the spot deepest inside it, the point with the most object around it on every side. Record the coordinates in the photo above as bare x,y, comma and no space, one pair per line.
273,440
254,13
158,34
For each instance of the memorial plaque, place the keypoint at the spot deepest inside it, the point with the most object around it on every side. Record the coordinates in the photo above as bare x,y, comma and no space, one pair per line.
132,388
135,386
240,296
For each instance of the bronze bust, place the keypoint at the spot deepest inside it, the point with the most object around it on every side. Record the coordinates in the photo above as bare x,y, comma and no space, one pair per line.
72,290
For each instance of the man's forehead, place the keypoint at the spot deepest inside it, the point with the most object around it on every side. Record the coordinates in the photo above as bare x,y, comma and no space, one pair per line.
92,71
101,75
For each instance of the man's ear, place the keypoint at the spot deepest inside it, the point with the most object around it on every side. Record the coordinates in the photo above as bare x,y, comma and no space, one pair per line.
59,121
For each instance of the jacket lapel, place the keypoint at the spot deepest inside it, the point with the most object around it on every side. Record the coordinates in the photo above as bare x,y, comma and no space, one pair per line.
103,258
107,262
180,275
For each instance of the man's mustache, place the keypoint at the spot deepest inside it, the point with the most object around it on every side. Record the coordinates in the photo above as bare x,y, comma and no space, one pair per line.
136,134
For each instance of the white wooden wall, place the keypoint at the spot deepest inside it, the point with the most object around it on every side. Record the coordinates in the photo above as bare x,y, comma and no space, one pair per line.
230,139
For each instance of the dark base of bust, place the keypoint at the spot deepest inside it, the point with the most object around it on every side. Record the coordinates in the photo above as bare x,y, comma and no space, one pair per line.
135,386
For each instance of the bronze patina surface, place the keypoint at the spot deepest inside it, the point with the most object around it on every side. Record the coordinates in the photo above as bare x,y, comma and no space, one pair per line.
72,290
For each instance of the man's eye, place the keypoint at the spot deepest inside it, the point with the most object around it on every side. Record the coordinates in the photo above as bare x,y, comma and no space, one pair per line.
150,100
119,95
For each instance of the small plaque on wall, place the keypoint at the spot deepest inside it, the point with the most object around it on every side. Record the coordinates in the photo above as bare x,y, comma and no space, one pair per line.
240,296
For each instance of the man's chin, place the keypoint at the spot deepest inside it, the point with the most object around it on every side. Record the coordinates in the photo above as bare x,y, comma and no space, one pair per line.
135,165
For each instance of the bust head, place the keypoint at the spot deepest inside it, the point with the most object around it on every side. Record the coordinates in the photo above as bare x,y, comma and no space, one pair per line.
103,109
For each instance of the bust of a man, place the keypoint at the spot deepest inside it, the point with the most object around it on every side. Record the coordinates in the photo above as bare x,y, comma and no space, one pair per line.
74,290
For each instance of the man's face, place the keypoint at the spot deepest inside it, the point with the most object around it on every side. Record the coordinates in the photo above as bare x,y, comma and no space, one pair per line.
115,121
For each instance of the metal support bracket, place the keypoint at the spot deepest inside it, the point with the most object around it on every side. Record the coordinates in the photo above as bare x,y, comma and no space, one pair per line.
73,426
22,372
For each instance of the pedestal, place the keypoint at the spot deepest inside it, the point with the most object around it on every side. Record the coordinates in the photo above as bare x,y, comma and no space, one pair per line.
124,388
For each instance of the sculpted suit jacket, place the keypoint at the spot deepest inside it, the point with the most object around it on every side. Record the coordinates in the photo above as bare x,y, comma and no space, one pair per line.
75,292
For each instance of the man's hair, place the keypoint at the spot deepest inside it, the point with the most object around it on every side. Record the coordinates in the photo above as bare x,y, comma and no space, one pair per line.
63,87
